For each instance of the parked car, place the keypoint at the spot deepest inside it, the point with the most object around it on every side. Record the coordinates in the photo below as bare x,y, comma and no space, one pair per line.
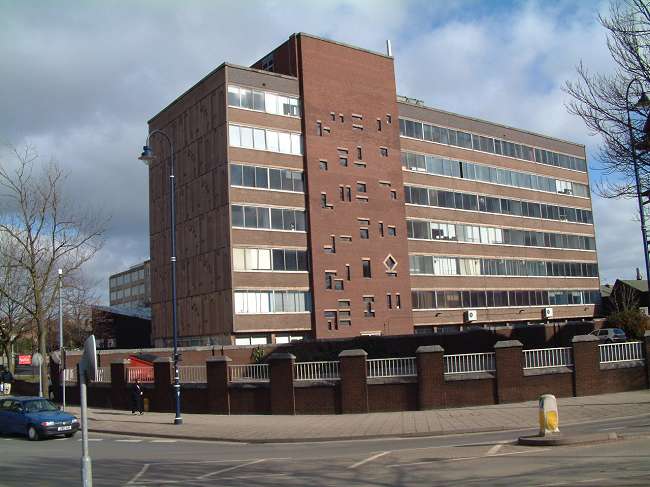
35,417
610,335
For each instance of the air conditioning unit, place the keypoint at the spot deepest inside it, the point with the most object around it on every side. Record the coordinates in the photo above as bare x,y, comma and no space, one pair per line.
471,315
548,312
644,310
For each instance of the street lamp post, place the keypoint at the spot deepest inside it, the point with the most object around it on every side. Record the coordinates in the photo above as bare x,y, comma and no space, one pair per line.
61,351
643,102
148,156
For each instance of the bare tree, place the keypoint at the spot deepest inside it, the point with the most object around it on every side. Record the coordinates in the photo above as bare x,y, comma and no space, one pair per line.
49,230
600,99
14,321
624,298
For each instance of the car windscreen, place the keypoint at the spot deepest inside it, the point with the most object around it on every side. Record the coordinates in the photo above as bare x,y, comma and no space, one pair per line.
39,405
618,331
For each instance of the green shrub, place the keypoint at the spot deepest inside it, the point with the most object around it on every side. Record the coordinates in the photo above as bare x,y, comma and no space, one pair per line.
257,355
632,321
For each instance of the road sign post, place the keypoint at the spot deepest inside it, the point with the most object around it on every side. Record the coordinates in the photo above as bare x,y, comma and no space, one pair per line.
37,361
87,373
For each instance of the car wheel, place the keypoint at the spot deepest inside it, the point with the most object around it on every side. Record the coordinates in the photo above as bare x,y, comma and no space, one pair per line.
32,434
609,340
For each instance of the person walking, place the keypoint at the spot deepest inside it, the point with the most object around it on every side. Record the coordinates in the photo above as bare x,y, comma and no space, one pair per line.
136,398
6,378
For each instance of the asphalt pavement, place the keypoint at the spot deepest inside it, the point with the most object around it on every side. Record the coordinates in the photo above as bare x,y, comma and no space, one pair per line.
462,459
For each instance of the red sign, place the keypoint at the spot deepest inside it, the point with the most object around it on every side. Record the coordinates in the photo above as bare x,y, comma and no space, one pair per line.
24,360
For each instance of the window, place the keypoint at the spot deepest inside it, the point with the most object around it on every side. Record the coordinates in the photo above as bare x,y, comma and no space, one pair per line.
323,201
392,231
266,178
368,306
383,152
398,301
319,129
379,124
338,284
330,317
342,118
390,263
381,229
333,116
389,119
343,159
258,217
389,301
322,165
363,233
365,265
347,272
329,279
265,139
348,193
393,194
361,187
359,153
272,301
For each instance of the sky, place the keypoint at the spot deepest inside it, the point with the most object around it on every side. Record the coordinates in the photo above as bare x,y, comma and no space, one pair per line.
80,79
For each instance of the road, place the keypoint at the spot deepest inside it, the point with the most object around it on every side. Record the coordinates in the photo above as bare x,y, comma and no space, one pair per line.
477,459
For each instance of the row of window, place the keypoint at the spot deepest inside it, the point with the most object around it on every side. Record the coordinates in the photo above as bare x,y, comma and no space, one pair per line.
269,218
427,230
442,135
266,178
500,299
256,302
418,195
127,278
466,266
269,260
265,139
263,101
128,292
478,172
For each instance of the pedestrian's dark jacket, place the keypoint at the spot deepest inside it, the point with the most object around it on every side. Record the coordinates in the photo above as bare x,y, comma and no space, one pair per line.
136,392
6,377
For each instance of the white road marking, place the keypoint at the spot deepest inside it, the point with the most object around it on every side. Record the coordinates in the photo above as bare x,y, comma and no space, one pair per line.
164,441
229,469
369,459
614,428
590,480
464,458
144,468
92,439
494,449
128,441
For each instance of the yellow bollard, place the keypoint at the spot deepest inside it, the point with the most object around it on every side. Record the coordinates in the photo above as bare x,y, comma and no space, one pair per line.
146,404
548,415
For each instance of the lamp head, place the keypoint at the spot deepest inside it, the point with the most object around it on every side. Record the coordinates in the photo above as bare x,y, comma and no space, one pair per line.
147,155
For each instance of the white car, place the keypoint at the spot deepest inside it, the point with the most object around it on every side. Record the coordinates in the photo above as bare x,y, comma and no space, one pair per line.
610,335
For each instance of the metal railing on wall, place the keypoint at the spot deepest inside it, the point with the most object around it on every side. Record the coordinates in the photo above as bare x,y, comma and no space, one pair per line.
620,352
470,363
248,373
143,374
548,357
192,374
392,367
316,371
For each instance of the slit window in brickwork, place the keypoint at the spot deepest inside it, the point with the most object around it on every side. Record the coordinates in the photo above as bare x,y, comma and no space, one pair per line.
322,165
365,266
368,306
383,151
364,233
361,187
359,153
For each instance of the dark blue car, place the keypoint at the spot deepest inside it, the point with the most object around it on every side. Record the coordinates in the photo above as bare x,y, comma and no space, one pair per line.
35,417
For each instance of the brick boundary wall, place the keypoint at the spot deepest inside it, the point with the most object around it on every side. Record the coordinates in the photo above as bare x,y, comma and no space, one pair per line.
356,393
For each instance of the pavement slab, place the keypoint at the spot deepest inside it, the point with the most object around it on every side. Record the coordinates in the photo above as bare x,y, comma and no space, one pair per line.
279,428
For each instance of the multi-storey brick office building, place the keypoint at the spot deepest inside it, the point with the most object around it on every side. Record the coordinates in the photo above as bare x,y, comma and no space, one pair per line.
315,202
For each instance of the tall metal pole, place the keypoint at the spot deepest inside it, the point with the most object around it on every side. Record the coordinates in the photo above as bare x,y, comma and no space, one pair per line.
638,182
62,353
172,188
86,466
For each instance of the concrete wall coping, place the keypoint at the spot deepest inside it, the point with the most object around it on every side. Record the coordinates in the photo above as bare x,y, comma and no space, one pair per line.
584,338
508,344
430,349
356,352
124,361
166,360
282,356
647,334
219,358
